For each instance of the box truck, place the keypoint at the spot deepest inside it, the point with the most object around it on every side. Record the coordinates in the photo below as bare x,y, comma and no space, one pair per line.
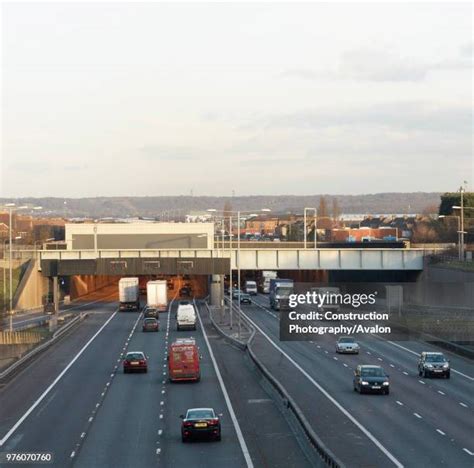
157,295
251,288
280,290
129,295
264,282
183,360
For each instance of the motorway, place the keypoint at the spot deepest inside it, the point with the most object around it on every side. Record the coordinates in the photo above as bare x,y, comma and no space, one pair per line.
76,402
422,423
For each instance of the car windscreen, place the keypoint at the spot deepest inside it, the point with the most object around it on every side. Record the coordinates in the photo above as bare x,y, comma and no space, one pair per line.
373,372
284,291
132,356
150,321
200,414
435,358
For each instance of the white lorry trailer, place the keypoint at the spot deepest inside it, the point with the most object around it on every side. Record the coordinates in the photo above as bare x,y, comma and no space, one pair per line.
186,317
129,295
157,295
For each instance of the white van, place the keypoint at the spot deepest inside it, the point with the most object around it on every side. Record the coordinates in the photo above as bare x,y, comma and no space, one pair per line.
251,288
186,317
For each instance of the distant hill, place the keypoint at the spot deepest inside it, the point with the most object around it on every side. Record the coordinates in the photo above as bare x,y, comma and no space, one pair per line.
101,207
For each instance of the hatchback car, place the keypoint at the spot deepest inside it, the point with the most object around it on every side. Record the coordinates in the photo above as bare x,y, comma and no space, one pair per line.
431,364
150,312
135,361
347,344
200,423
371,379
151,324
245,298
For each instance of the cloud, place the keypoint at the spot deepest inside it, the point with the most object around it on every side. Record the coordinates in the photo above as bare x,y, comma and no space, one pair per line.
401,116
380,65
384,65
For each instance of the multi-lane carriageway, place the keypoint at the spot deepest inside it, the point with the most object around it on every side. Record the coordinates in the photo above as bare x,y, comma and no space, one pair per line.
76,402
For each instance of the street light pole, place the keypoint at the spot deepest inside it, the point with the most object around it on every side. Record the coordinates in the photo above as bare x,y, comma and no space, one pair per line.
238,267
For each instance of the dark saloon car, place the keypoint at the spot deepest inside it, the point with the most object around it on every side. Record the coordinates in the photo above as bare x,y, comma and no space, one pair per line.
135,361
371,379
151,324
150,312
200,423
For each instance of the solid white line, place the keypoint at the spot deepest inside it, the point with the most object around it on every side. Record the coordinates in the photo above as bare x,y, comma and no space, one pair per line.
468,451
440,432
417,354
240,436
329,397
56,380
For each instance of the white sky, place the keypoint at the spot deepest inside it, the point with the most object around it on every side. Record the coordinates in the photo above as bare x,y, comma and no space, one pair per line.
159,99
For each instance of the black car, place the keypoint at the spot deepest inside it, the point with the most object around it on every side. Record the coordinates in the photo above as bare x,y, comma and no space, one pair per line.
185,291
150,312
200,423
371,379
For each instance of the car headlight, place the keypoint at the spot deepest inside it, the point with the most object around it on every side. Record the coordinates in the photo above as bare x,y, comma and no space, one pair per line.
386,383
445,366
364,382
429,365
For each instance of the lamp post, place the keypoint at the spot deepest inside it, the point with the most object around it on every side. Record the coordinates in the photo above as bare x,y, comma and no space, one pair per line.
315,225
239,212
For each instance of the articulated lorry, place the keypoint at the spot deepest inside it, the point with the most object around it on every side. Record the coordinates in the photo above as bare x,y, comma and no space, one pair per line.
129,295
280,290
157,295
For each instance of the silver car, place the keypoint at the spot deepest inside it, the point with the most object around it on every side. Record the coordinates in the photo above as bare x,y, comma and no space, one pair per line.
347,344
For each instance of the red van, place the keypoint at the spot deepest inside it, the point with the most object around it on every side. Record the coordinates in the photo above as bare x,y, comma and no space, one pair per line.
183,360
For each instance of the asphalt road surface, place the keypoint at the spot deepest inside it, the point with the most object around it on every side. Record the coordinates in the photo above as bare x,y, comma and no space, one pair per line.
423,422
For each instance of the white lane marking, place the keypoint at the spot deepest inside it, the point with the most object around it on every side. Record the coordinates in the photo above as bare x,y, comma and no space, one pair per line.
406,373
74,453
345,365
417,354
399,403
90,419
329,397
368,352
417,415
463,404
240,436
468,451
318,346
441,393
160,431
421,381
83,435
161,416
391,365
439,431
158,450
56,380
326,351
335,358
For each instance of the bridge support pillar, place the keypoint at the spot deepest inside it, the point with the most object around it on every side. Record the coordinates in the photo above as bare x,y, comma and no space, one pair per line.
217,290
53,322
